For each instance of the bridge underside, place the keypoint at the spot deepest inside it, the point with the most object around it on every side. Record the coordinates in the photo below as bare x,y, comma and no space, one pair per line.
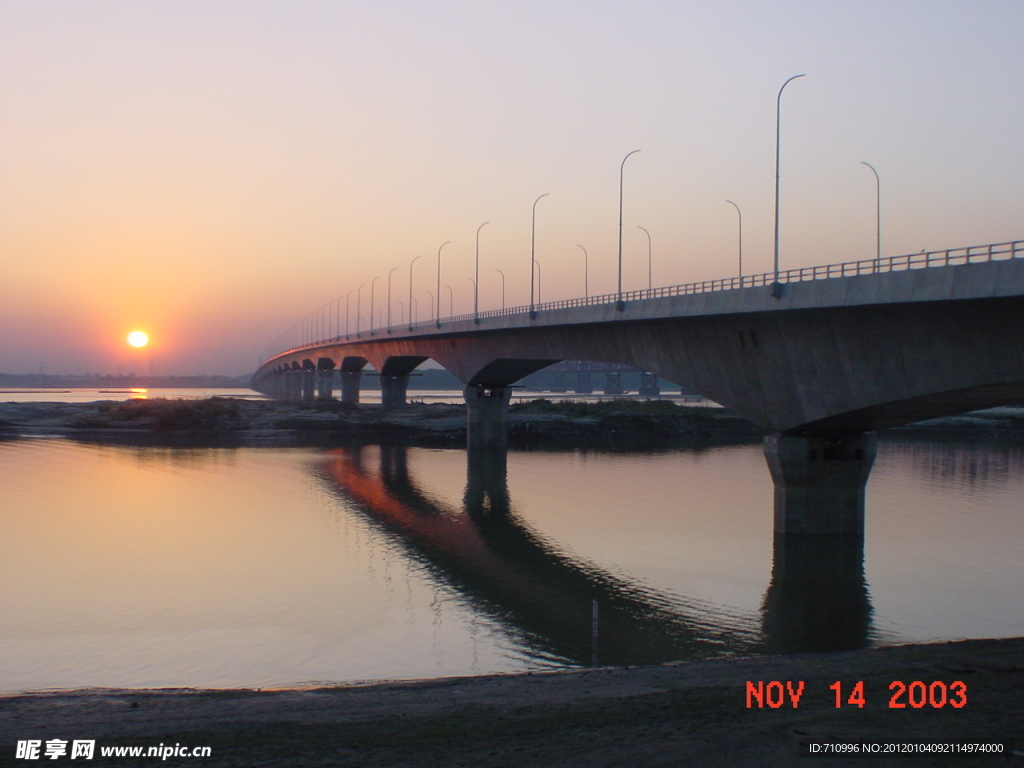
851,369
819,377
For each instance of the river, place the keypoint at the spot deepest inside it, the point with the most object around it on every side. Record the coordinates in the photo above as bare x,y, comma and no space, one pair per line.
259,567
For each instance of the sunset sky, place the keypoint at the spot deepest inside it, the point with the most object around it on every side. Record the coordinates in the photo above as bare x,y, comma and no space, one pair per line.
208,172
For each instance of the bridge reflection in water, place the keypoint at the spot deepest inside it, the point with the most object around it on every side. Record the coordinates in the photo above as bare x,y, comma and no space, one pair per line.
543,598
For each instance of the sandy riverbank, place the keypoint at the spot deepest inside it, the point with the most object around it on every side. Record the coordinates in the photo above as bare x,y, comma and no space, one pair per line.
692,713
616,424
245,422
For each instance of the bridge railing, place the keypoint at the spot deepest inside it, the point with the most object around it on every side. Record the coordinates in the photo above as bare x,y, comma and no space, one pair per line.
950,257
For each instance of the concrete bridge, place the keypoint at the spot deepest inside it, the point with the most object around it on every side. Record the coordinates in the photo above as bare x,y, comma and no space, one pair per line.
822,357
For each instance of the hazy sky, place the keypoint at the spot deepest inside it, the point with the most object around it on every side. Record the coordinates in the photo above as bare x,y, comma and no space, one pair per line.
210,171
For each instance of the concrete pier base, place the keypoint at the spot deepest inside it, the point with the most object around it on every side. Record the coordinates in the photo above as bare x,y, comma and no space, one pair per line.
308,378
487,416
649,386
613,383
393,388
295,377
350,386
486,481
324,379
818,598
819,481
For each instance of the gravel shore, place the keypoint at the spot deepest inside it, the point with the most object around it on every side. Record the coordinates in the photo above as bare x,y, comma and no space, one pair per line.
692,713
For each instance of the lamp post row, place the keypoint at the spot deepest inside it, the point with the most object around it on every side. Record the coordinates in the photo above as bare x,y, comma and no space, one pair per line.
313,324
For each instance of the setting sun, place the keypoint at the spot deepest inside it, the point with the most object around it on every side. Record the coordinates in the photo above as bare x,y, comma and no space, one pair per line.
138,339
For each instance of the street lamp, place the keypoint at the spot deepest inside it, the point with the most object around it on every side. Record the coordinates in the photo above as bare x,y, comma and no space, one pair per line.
438,314
348,301
371,303
410,290
650,282
476,279
533,243
740,214
878,216
586,270
433,306
389,297
619,305
776,287
359,296
401,309
537,264
451,301
502,287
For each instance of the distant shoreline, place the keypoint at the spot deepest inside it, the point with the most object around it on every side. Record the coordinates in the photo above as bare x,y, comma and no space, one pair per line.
256,422
627,424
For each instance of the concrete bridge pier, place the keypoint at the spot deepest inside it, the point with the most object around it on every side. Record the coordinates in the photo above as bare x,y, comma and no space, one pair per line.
294,383
613,383
487,416
350,386
274,386
649,386
487,481
308,378
818,598
819,481
393,388
324,379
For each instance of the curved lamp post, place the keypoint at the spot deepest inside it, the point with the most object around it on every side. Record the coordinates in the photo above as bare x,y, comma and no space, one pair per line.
437,316
359,297
776,287
410,289
433,306
650,281
476,279
389,297
619,305
740,214
586,271
878,216
372,326
348,300
451,301
533,243
502,287
537,264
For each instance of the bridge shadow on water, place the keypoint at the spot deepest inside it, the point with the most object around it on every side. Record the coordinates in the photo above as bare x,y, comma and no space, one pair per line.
544,598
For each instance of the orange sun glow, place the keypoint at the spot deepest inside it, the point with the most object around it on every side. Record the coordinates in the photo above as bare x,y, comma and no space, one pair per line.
138,339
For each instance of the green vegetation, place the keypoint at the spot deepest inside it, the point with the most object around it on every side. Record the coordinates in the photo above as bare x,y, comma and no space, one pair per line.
214,414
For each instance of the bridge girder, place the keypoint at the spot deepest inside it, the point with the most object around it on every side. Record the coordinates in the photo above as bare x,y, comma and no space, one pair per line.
851,354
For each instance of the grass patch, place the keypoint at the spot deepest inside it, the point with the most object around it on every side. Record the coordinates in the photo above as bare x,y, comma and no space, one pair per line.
166,415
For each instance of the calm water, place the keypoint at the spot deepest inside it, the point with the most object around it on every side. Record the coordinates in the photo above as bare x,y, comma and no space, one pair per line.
268,566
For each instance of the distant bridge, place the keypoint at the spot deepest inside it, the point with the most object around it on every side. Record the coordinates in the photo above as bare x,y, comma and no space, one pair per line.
820,356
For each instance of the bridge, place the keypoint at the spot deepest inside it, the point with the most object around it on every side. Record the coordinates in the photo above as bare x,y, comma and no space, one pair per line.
822,357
